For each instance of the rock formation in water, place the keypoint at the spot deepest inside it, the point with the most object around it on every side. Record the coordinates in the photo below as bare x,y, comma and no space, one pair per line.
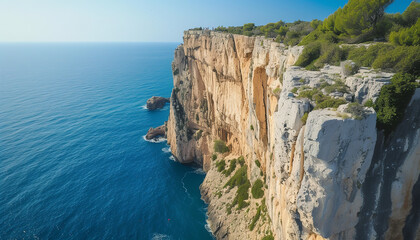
155,132
154,102
327,173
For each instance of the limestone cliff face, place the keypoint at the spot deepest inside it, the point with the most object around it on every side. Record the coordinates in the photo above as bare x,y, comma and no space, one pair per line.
332,176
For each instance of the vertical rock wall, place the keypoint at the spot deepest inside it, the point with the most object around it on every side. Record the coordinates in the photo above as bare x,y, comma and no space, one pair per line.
332,177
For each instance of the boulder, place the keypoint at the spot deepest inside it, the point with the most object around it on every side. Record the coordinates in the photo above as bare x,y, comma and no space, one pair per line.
156,102
155,132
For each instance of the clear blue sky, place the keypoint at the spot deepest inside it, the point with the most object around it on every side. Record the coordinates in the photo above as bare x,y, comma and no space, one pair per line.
147,21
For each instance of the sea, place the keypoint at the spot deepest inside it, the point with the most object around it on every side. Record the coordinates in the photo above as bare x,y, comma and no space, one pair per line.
74,163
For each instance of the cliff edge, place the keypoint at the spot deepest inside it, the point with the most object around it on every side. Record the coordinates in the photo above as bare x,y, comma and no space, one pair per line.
324,170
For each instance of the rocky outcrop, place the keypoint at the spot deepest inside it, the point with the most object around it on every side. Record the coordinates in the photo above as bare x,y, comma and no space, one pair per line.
154,102
155,132
327,174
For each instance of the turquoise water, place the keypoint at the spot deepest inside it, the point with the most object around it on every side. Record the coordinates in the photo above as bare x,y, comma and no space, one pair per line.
73,161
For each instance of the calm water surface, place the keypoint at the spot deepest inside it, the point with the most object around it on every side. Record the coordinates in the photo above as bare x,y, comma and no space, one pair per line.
73,161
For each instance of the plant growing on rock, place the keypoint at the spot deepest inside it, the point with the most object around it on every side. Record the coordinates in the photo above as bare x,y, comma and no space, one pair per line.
256,189
356,110
220,146
240,179
221,165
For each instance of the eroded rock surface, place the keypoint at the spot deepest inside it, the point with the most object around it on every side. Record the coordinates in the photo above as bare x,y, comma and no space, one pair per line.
154,102
324,170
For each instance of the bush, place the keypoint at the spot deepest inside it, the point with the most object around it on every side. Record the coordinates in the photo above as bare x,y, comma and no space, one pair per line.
406,36
255,219
356,110
251,127
330,103
214,157
231,168
268,237
240,180
241,160
369,103
256,190
277,91
310,53
220,146
257,163
338,86
221,165
393,99
304,118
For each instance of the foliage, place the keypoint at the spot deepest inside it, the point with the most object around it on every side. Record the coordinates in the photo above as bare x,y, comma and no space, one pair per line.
251,127
220,146
406,36
257,163
231,168
356,110
256,189
241,160
294,90
304,118
268,237
356,17
338,86
240,180
393,99
369,103
277,91
388,57
221,165
214,157
330,103
309,54
255,219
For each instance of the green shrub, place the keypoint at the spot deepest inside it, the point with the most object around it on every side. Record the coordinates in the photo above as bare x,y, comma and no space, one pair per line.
221,165
400,59
406,36
256,190
268,237
220,146
356,110
393,99
257,163
304,118
277,91
255,219
214,157
338,86
251,127
294,90
330,103
310,53
369,103
241,160
231,168
240,179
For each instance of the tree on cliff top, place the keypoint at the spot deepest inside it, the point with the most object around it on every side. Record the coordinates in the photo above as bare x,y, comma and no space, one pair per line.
356,17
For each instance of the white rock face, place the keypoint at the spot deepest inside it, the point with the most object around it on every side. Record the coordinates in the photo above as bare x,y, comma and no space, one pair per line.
337,155
367,84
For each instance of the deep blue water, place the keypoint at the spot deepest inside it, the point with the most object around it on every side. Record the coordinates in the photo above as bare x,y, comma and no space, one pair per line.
73,161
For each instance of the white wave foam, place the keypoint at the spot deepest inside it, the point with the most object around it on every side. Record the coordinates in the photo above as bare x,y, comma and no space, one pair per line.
207,226
166,150
172,158
199,171
160,236
155,140
144,107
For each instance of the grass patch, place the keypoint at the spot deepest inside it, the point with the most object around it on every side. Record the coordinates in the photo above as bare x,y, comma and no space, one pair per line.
255,219
231,168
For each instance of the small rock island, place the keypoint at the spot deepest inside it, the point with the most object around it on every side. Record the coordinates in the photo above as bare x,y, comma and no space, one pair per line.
155,102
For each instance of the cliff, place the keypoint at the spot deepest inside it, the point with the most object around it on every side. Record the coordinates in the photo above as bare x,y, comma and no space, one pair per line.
326,172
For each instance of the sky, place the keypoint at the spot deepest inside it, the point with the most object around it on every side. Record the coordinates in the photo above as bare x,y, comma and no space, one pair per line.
148,21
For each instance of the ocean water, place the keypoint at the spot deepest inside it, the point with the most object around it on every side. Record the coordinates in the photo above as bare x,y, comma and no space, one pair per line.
73,161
